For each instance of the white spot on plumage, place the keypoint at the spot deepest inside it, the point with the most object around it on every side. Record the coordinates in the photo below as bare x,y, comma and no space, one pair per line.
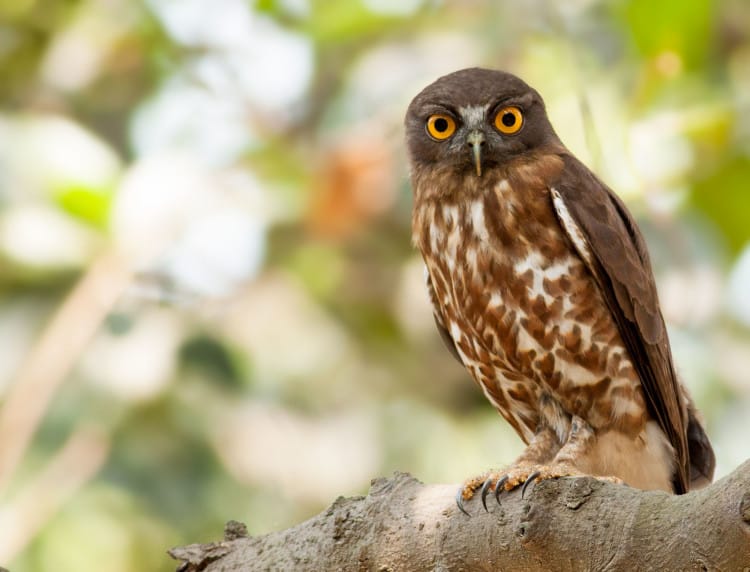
477,220
575,373
526,342
567,326
451,248
450,215
558,269
455,332
436,237
571,227
533,261
567,305
625,406
471,260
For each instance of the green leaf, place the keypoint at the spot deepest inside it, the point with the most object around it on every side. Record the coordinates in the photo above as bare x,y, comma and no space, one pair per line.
724,198
334,21
680,26
89,205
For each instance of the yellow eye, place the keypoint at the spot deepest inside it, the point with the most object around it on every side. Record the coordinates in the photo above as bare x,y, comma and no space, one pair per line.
441,126
509,120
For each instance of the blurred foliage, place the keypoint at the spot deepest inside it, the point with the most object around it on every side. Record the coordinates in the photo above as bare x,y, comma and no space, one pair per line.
205,247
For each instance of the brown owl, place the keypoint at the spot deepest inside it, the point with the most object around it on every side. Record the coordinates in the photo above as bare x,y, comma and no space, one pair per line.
542,288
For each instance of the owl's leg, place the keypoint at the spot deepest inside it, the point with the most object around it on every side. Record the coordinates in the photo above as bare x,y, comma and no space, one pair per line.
560,463
569,459
553,422
580,440
543,459
541,449
553,434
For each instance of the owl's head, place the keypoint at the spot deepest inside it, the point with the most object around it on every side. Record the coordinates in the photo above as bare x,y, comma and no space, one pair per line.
474,119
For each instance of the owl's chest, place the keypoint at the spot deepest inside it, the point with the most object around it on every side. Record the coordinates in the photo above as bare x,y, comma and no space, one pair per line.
500,265
524,313
515,297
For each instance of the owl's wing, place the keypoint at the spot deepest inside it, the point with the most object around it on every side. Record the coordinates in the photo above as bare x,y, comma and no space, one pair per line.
439,322
607,238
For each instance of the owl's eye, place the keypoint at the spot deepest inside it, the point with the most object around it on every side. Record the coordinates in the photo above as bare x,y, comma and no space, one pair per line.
441,126
509,120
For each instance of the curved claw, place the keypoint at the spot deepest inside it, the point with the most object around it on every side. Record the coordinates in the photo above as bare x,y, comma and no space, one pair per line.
460,501
529,480
499,488
485,490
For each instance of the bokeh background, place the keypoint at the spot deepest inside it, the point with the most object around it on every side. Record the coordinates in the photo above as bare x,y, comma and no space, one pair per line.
209,305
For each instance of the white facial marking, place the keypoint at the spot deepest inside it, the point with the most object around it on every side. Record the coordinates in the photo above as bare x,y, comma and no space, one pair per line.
473,115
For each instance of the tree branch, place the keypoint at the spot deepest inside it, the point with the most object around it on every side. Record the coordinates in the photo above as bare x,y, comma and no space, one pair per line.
566,524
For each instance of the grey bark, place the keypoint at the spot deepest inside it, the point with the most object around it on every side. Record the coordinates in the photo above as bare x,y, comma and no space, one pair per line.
568,524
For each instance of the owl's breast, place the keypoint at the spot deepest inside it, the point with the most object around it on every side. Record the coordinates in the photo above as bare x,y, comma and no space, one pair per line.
522,309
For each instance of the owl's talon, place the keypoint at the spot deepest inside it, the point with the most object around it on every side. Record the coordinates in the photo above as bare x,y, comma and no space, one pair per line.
460,501
530,479
499,486
485,489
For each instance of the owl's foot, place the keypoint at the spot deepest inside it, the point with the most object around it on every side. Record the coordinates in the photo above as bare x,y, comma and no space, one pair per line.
521,475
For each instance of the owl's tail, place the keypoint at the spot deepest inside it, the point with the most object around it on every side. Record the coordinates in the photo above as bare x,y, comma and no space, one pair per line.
702,459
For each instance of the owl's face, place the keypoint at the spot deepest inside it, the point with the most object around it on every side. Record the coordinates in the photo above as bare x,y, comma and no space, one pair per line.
476,119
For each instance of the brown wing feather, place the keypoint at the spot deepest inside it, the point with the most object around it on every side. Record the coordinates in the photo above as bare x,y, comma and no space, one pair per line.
621,264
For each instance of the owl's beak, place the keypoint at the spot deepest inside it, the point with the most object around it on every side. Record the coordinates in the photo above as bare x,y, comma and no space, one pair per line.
476,140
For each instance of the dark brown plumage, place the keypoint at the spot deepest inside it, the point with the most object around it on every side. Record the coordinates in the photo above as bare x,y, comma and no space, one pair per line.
542,287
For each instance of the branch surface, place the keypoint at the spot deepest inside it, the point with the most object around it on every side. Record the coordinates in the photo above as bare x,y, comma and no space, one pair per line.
567,524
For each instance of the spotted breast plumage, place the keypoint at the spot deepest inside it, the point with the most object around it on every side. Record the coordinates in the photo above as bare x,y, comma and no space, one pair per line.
542,287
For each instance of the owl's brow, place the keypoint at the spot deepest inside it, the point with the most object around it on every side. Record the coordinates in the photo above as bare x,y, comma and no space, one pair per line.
430,108
523,100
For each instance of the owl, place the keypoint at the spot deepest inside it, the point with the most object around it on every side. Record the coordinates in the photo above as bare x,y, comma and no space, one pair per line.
541,286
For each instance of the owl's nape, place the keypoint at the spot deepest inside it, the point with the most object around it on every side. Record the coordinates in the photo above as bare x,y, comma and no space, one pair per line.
542,288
